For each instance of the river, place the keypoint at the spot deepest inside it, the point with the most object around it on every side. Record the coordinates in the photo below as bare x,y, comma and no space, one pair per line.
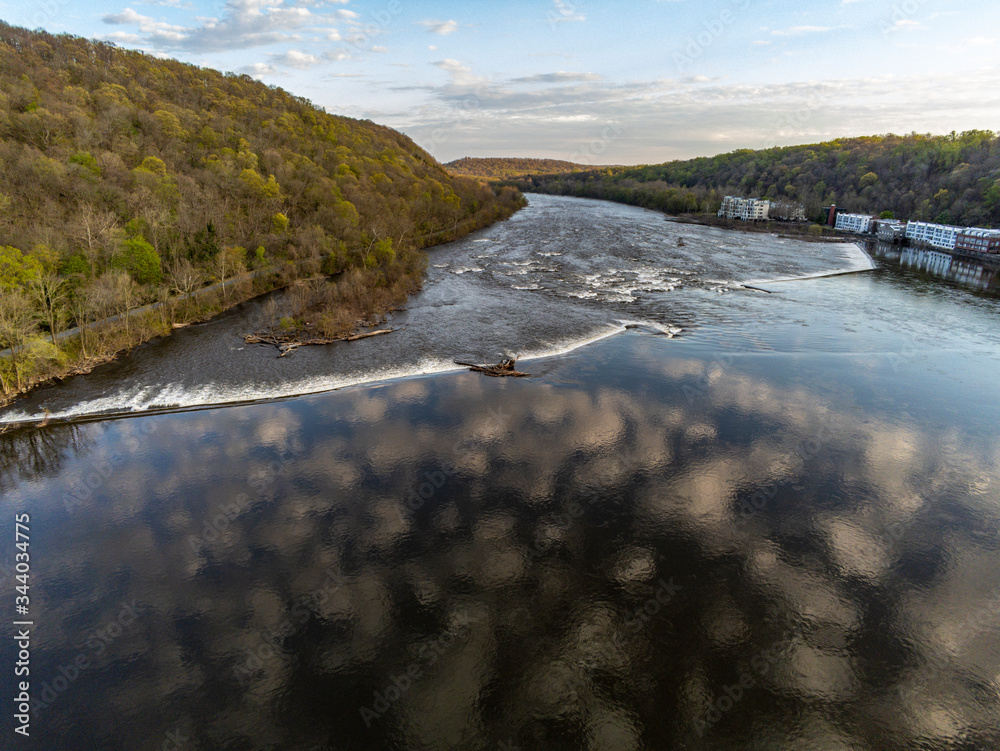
713,518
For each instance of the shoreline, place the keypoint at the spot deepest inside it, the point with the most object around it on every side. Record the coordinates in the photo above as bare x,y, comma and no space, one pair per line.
369,379
424,369
239,394
149,316
780,229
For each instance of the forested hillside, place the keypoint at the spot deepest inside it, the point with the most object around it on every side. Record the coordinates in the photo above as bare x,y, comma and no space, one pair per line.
952,179
126,179
504,168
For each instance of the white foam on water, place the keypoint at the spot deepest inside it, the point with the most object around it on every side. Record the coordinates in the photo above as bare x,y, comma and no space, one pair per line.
178,398
174,397
858,261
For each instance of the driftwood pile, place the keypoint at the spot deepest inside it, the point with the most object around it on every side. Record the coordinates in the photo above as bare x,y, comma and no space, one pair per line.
288,343
503,369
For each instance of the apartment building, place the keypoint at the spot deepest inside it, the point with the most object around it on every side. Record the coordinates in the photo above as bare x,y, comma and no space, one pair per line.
935,235
746,209
859,223
978,240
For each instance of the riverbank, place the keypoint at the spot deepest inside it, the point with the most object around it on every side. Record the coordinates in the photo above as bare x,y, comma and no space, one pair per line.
791,230
562,273
101,342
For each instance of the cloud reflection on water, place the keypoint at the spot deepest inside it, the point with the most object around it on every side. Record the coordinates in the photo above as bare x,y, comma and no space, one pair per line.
852,598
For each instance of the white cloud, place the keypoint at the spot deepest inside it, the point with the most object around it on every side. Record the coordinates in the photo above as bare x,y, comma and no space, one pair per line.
243,24
557,77
565,10
668,119
904,24
799,30
296,59
443,28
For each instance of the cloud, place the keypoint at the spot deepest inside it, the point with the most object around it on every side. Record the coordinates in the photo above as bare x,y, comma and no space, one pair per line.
259,70
443,28
904,24
296,59
557,77
670,119
565,10
799,30
243,24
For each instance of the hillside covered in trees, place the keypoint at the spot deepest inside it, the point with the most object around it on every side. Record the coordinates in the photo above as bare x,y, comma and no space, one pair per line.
126,179
501,168
953,179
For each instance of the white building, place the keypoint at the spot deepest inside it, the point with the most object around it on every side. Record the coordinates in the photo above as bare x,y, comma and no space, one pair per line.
859,223
746,209
935,235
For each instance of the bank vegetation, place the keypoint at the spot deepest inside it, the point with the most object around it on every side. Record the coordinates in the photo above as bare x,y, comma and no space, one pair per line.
133,183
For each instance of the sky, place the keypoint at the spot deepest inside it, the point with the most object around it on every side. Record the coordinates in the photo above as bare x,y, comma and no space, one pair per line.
587,81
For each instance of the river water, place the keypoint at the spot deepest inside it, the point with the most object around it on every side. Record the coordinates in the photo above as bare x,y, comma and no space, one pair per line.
746,521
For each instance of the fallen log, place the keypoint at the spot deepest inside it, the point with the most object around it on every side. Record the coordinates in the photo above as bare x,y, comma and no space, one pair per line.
288,343
503,369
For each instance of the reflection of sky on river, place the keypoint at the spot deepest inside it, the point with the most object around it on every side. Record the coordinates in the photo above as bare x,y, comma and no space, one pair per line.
824,528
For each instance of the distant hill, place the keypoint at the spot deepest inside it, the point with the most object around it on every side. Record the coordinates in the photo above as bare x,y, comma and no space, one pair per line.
953,179
501,168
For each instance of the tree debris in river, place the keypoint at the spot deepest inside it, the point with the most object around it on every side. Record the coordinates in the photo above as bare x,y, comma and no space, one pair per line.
288,343
503,369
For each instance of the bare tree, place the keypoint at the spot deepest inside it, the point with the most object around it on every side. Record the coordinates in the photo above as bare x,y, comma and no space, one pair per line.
184,278
48,290
229,262
17,326
116,292
97,233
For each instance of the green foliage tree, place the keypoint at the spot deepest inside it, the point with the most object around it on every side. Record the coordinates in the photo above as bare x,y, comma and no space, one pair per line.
140,260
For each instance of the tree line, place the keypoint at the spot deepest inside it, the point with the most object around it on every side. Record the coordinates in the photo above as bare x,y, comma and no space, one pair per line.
127,180
499,168
951,179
